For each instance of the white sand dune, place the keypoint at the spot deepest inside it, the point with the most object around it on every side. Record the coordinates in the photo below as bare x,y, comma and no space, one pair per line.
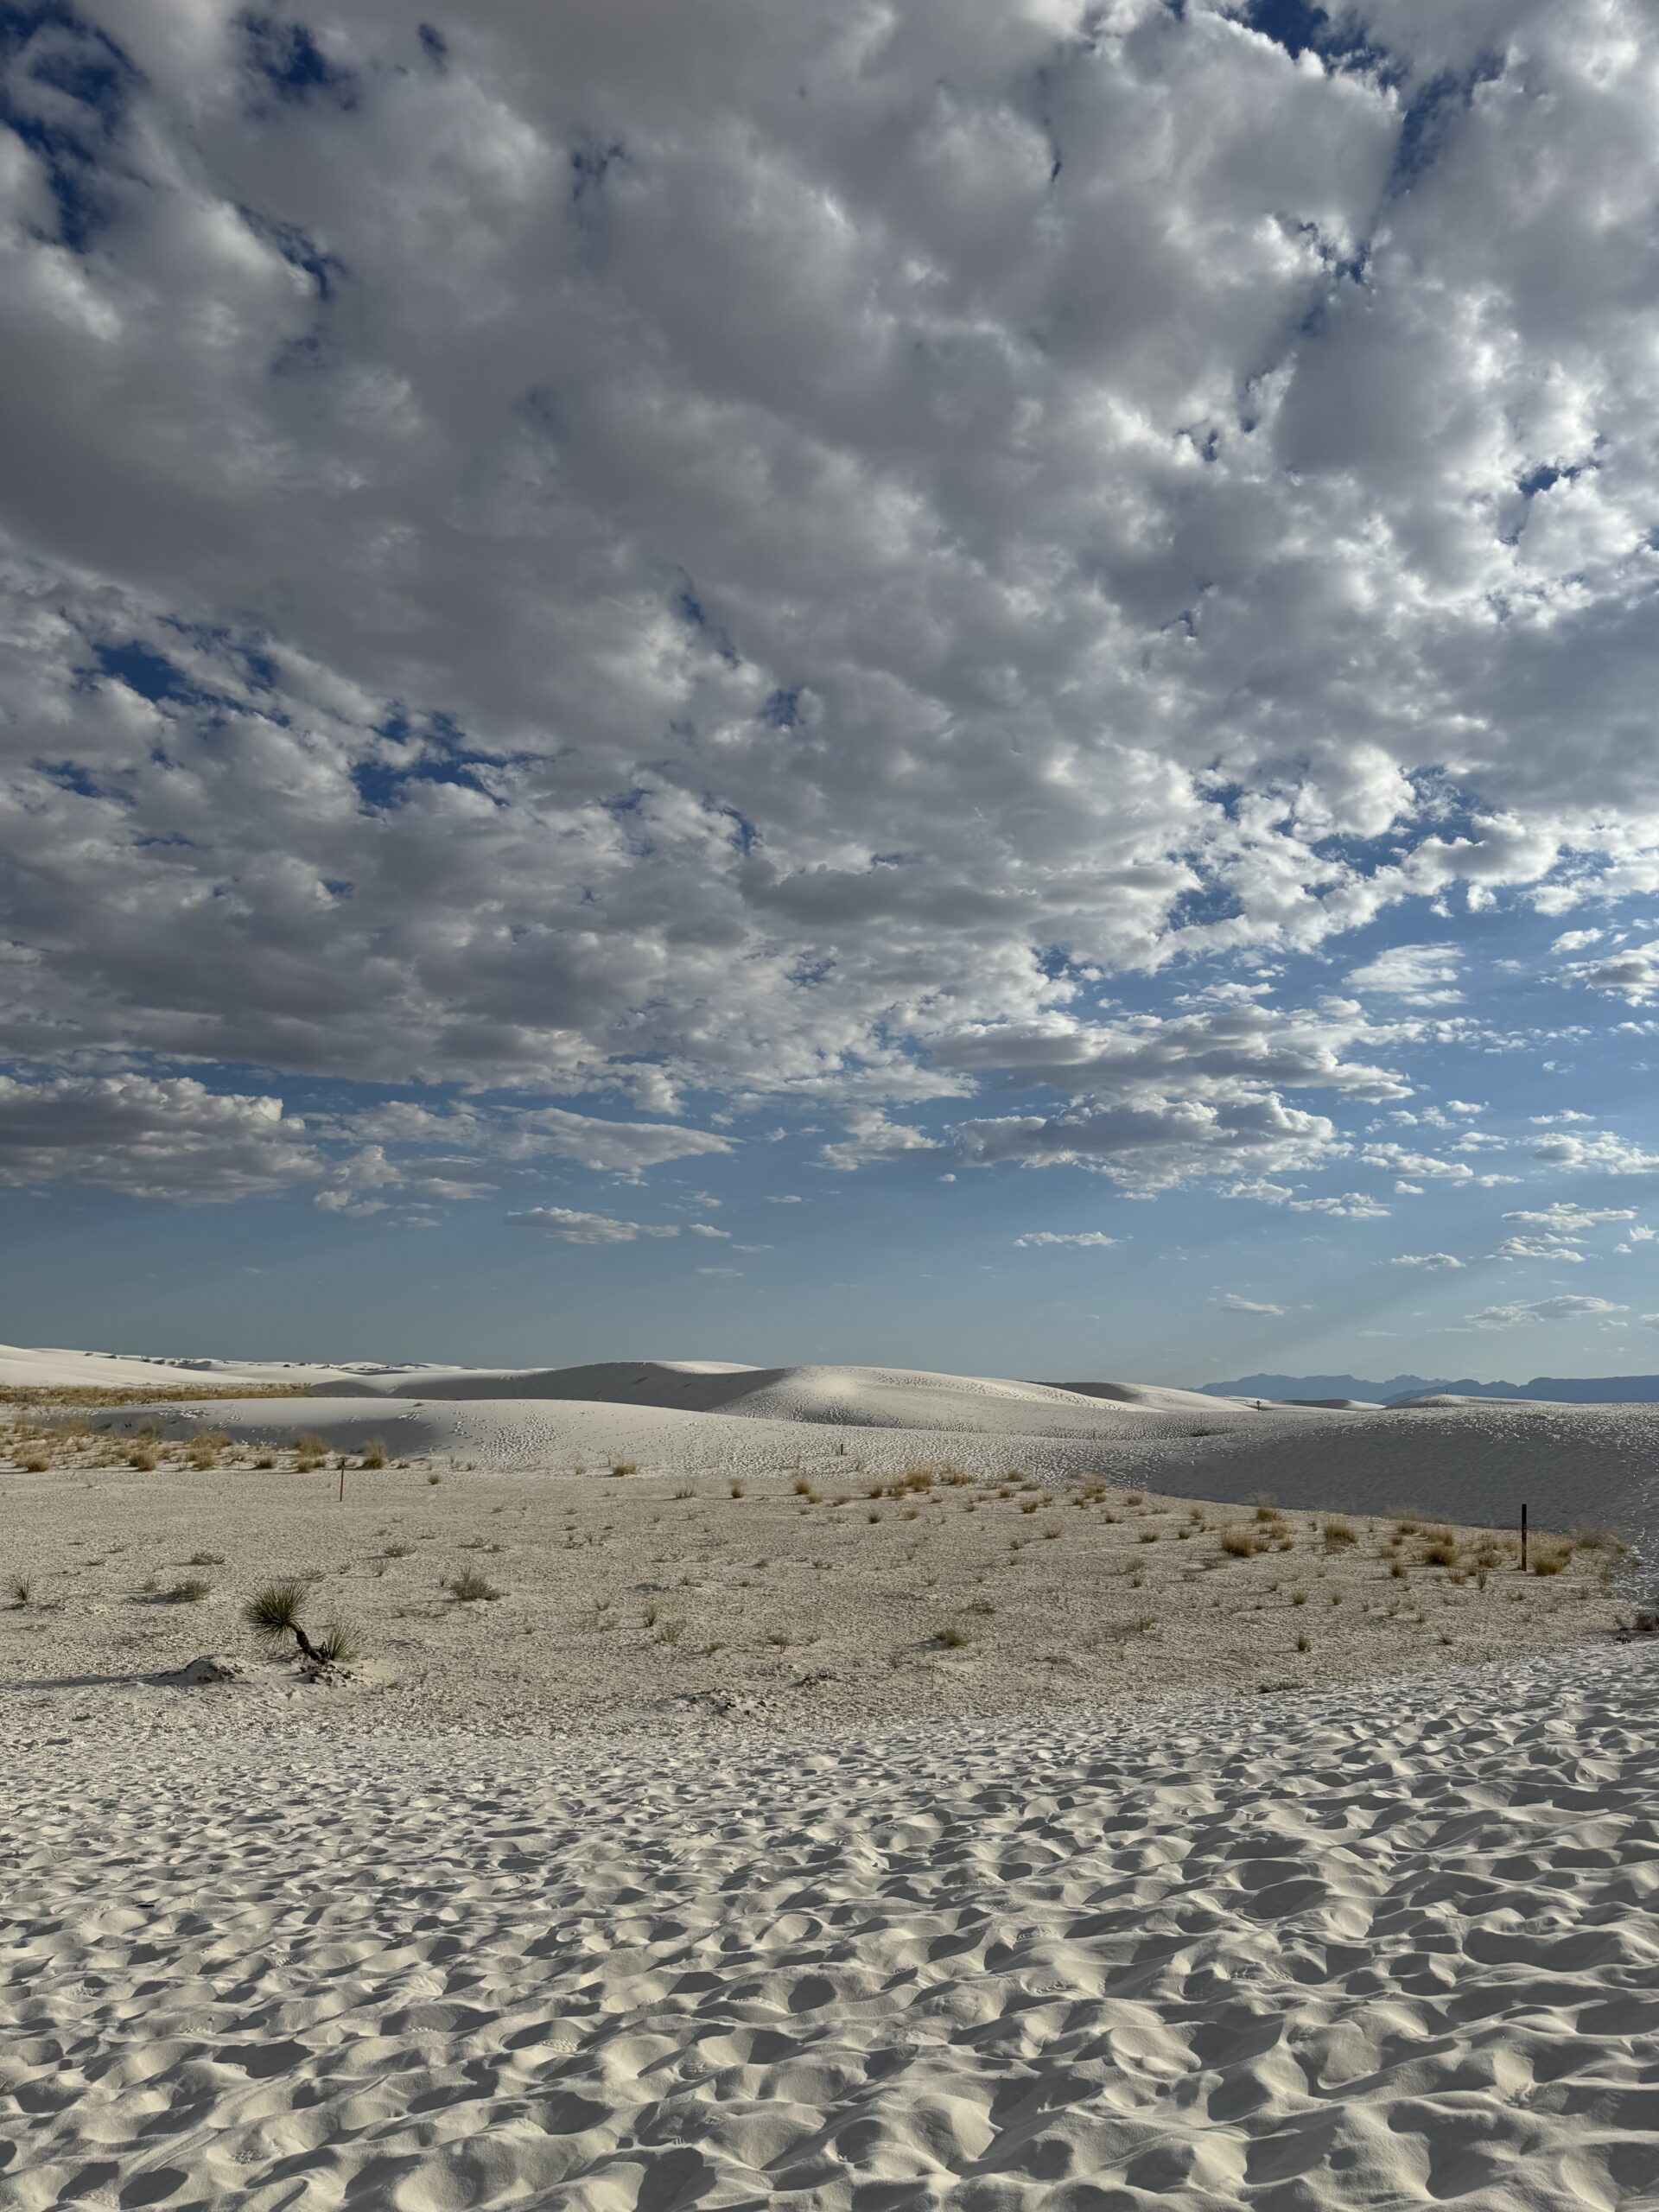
1476,1462
1305,1955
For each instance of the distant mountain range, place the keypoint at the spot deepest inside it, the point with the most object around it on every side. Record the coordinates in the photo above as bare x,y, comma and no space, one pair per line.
1575,1390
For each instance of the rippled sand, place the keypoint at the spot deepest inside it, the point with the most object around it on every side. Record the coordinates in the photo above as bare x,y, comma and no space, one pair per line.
1320,1951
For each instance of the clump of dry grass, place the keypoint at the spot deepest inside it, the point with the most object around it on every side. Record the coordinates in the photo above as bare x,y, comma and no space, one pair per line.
1550,1555
190,1591
1242,1541
374,1452
1339,1534
469,1587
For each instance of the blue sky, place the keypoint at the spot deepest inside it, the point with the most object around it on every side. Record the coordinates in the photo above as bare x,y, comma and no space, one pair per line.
969,690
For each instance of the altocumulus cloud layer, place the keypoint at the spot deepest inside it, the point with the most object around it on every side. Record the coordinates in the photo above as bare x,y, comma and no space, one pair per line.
680,559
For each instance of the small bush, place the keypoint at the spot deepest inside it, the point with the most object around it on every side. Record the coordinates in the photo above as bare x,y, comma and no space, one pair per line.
1241,1543
190,1591
735,1489
950,1636
624,1467
1550,1558
669,1631
206,1559
1298,1597
1438,1549
1303,1644
21,1590
36,1463
374,1452
1339,1534
143,1458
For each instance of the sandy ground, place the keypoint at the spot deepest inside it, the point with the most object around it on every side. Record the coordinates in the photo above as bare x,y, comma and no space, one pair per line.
640,1598
806,1810
1319,1952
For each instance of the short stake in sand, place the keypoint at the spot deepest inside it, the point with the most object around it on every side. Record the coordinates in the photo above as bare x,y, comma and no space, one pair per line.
274,1612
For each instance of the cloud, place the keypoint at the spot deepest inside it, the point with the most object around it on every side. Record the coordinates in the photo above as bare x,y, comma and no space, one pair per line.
1398,1161
1225,473
1091,1239
1438,1261
1155,1143
1632,975
1346,1206
537,1133
1561,1218
172,1138
1421,975
1564,1308
573,1227
1599,1151
1233,1304
870,1135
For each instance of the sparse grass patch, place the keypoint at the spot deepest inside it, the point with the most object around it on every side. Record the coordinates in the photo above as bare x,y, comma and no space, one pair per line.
1241,1543
374,1452
190,1591
469,1587
1339,1534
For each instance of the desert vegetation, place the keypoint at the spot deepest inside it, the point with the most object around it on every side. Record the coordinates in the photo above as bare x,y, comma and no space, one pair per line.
921,1589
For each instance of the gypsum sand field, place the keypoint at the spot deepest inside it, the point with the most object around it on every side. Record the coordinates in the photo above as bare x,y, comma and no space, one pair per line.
1306,1953
485,1601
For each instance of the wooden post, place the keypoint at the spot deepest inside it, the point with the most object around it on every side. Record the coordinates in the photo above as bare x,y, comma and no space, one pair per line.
1523,1540
342,1482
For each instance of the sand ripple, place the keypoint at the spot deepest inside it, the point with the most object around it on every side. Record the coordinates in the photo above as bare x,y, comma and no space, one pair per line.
1356,1949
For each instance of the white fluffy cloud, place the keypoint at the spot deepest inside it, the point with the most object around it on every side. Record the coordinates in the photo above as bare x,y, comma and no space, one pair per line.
572,1226
1087,1239
1422,975
1439,1261
1233,1304
771,550
1564,1308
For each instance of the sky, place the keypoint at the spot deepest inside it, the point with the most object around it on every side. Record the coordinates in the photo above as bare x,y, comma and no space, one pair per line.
958,685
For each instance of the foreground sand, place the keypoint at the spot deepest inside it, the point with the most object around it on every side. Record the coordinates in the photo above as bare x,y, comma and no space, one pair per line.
1321,1951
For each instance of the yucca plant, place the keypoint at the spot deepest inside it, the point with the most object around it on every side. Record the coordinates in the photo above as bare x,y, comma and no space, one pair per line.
273,1613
